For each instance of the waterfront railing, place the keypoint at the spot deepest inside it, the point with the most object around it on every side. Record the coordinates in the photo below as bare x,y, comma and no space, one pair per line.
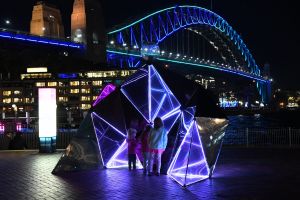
245,137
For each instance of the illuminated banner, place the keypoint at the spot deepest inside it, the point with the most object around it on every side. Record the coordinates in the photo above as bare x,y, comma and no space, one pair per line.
47,112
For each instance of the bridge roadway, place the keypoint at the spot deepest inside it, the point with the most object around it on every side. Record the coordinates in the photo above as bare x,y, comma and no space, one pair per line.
192,62
241,173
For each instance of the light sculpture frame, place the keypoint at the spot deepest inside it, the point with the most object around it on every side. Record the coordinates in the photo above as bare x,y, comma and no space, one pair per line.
194,141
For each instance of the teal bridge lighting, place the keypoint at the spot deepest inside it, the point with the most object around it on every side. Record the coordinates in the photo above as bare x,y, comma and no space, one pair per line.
127,45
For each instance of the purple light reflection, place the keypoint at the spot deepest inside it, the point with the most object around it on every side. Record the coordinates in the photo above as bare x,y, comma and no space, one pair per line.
105,92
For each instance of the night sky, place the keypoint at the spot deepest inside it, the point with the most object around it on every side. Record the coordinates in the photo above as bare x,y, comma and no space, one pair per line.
269,28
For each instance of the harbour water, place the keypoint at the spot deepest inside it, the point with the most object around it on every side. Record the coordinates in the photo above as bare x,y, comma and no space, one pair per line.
278,119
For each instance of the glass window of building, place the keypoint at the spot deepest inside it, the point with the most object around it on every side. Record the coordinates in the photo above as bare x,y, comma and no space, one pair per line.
6,93
63,99
74,91
95,97
17,92
17,100
86,91
62,91
97,83
40,84
7,100
60,84
85,106
97,90
125,73
52,84
74,83
85,98
94,74
84,83
29,100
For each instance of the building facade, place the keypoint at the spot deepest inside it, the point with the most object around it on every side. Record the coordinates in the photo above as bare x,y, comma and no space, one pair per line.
76,91
46,21
87,26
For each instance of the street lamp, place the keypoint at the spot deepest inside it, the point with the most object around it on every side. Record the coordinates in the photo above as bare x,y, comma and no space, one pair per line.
7,22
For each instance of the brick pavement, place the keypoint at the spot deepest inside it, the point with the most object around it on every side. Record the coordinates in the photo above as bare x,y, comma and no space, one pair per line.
240,174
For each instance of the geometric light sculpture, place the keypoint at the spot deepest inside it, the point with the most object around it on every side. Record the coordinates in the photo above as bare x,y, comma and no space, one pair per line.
195,125
120,160
189,164
47,119
105,92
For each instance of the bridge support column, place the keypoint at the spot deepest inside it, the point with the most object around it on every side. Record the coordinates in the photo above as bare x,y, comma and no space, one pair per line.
266,92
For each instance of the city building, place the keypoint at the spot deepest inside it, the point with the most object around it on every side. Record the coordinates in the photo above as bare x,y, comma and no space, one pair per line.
46,21
87,26
76,91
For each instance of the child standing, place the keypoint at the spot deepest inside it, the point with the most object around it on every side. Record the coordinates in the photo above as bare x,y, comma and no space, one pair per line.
158,140
145,147
131,141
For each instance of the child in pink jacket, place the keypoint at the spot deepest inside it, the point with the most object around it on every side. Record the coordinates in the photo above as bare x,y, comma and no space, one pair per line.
131,142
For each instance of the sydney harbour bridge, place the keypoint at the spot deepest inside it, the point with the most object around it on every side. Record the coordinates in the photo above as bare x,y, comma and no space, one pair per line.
184,36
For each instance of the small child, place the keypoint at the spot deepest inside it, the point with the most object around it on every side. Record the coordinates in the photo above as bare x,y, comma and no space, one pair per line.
131,141
145,147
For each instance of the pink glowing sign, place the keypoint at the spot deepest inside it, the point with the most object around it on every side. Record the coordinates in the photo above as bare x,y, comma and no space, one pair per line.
47,112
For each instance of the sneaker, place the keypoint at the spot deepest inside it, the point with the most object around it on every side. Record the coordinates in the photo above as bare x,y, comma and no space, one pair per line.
149,173
157,174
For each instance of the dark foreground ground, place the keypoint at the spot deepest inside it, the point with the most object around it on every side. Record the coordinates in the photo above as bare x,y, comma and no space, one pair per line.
240,174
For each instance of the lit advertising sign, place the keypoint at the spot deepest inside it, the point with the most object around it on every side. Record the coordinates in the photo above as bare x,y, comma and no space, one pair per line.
47,112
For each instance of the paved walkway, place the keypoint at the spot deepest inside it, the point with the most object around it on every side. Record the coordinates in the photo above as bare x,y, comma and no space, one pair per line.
240,174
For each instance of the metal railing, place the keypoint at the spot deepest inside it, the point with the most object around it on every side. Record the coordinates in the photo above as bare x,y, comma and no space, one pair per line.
63,138
284,137
247,137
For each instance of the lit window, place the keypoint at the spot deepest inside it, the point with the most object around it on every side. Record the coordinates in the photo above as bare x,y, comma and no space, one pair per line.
125,73
7,100
61,84
84,83
94,75
85,91
74,83
52,84
85,98
35,76
17,92
17,100
29,100
95,97
74,91
85,106
63,99
40,84
97,83
6,93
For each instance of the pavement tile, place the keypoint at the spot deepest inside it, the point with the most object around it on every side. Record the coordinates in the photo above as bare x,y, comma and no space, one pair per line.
241,173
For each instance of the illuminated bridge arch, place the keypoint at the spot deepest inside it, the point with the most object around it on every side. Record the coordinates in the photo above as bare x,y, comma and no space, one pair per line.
156,27
149,32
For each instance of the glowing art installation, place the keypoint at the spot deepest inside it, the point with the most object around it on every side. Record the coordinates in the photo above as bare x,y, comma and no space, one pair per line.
194,123
105,92
47,112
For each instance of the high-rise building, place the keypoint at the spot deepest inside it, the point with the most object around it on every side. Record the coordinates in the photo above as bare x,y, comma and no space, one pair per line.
46,21
87,26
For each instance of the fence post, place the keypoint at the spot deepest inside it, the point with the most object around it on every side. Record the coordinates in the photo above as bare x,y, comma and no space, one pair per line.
290,137
247,137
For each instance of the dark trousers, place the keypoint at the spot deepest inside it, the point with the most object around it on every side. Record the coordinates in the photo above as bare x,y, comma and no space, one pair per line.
132,159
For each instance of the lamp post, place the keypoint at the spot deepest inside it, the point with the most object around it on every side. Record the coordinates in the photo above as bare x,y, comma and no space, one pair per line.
15,108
